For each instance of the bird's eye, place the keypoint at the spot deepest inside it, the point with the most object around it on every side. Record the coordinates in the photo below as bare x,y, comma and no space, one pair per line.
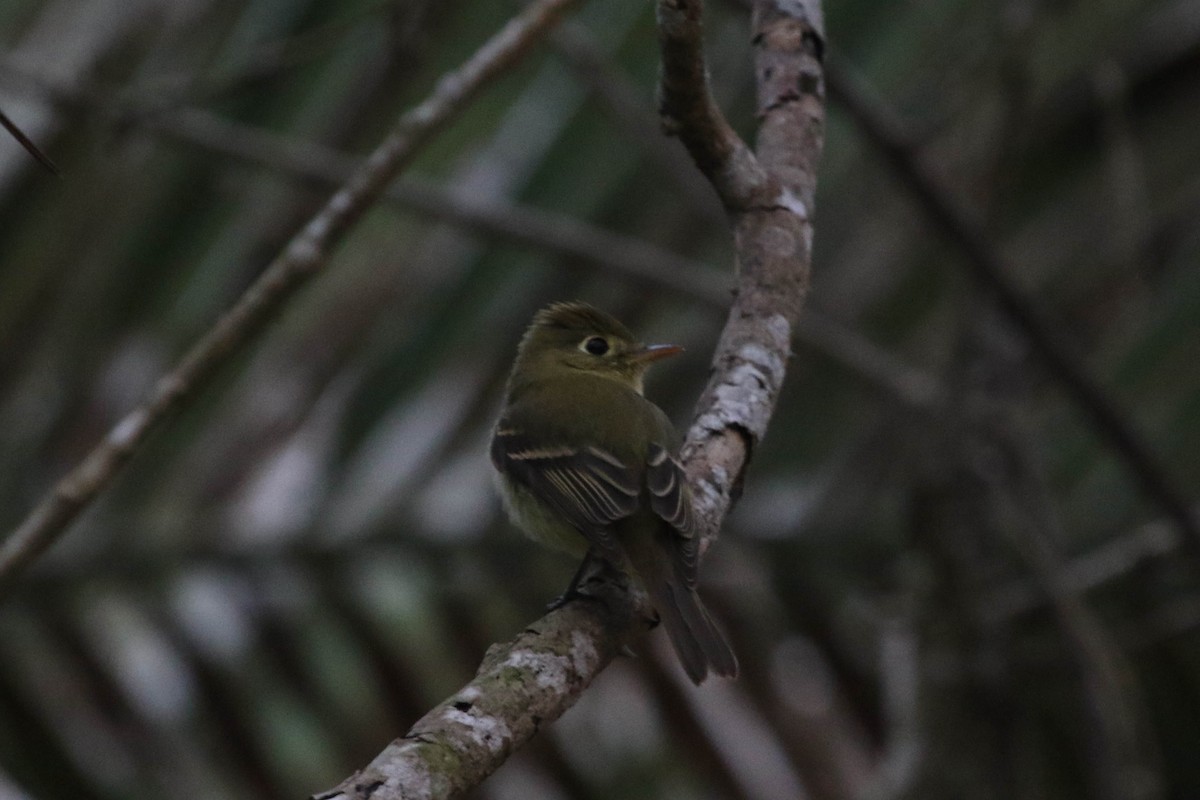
596,345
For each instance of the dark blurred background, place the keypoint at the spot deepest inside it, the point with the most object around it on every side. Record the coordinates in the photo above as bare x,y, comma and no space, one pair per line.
943,579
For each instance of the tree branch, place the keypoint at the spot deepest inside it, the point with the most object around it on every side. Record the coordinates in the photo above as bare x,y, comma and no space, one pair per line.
769,199
304,256
521,685
688,110
773,237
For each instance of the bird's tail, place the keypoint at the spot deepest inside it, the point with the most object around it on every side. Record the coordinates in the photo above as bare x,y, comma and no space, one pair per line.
698,642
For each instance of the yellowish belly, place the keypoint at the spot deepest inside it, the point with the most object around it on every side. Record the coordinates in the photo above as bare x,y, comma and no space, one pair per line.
537,520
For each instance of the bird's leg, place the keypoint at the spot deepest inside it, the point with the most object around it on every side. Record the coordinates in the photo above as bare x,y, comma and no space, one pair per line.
572,591
589,565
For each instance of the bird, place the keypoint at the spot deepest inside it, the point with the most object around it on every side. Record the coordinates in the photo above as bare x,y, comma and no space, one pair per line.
585,464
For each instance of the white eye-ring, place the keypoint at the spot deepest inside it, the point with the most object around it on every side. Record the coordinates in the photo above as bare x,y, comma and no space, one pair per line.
596,345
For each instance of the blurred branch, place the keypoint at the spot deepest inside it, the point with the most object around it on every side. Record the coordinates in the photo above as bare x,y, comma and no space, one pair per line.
303,257
988,269
233,720
999,493
805,701
271,59
1110,561
28,144
900,670
1123,763
535,678
626,105
325,166
687,731
573,239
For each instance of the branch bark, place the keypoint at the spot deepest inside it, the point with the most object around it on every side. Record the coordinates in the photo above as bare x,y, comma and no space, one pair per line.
304,256
768,197
521,686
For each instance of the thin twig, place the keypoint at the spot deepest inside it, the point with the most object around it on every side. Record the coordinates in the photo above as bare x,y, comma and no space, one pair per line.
988,269
521,686
28,144
302,258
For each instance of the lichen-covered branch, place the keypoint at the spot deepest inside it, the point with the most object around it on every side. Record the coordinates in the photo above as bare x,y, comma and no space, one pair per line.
521,685
305,255
769,197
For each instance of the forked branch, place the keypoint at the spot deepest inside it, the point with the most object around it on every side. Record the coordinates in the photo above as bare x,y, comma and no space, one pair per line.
769,197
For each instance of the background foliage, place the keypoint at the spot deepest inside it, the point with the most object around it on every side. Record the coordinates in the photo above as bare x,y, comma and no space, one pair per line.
942,580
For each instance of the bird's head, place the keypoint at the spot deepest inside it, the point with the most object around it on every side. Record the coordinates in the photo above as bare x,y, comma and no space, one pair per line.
575,338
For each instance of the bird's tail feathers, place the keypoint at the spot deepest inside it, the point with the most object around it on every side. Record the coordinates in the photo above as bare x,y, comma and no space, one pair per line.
698,642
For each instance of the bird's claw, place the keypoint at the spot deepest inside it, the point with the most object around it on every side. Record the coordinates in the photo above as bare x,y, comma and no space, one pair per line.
570,595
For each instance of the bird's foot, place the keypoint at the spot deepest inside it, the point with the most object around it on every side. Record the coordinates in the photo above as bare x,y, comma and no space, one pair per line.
570,595
593,571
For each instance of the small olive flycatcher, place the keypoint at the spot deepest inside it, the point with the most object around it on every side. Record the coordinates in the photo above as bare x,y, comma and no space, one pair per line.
585,465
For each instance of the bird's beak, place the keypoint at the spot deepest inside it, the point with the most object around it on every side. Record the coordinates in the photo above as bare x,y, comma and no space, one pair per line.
648,354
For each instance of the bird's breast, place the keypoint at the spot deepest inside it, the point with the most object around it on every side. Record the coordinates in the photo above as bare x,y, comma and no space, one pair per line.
538,521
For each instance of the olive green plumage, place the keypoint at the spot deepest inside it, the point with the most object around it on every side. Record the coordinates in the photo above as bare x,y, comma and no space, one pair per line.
585,465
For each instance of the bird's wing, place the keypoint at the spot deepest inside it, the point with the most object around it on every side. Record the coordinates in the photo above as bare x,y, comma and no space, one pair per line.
671,500
588,486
